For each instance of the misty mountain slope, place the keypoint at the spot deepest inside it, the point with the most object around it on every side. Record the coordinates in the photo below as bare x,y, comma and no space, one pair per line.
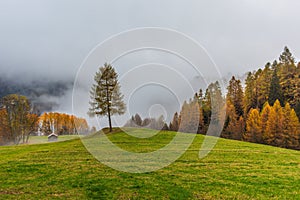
45,95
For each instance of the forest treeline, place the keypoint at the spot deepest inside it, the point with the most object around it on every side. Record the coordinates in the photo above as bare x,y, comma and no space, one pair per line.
266,110
19,120
151,123
62,124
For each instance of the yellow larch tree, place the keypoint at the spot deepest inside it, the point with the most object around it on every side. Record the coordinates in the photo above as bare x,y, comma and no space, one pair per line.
253,126
290,128
274,129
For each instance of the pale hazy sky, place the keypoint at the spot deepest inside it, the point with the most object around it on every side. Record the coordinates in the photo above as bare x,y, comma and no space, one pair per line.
52,37
58,34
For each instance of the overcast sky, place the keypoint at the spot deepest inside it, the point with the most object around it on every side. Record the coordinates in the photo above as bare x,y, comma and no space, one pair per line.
52,37
58,34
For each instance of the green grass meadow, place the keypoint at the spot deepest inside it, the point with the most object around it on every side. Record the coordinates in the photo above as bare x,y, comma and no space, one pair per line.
232,170
44,139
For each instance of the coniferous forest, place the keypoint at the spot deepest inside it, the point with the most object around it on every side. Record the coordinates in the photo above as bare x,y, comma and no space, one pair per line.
265,109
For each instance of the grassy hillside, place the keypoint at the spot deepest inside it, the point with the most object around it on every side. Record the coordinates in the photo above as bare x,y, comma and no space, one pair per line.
233,170
44,139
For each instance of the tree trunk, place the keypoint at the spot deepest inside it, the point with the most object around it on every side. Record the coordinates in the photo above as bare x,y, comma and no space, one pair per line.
109,121
108,107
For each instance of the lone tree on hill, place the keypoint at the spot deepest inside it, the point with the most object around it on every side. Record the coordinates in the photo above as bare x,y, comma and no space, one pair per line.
106,98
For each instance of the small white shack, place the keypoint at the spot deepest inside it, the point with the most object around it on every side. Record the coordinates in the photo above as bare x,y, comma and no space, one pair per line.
52,137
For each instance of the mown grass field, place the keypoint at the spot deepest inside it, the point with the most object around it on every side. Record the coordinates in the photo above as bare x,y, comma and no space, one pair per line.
233,170
44,139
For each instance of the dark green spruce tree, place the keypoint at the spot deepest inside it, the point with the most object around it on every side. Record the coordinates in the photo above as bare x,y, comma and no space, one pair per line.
275,90
249,95
106,98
